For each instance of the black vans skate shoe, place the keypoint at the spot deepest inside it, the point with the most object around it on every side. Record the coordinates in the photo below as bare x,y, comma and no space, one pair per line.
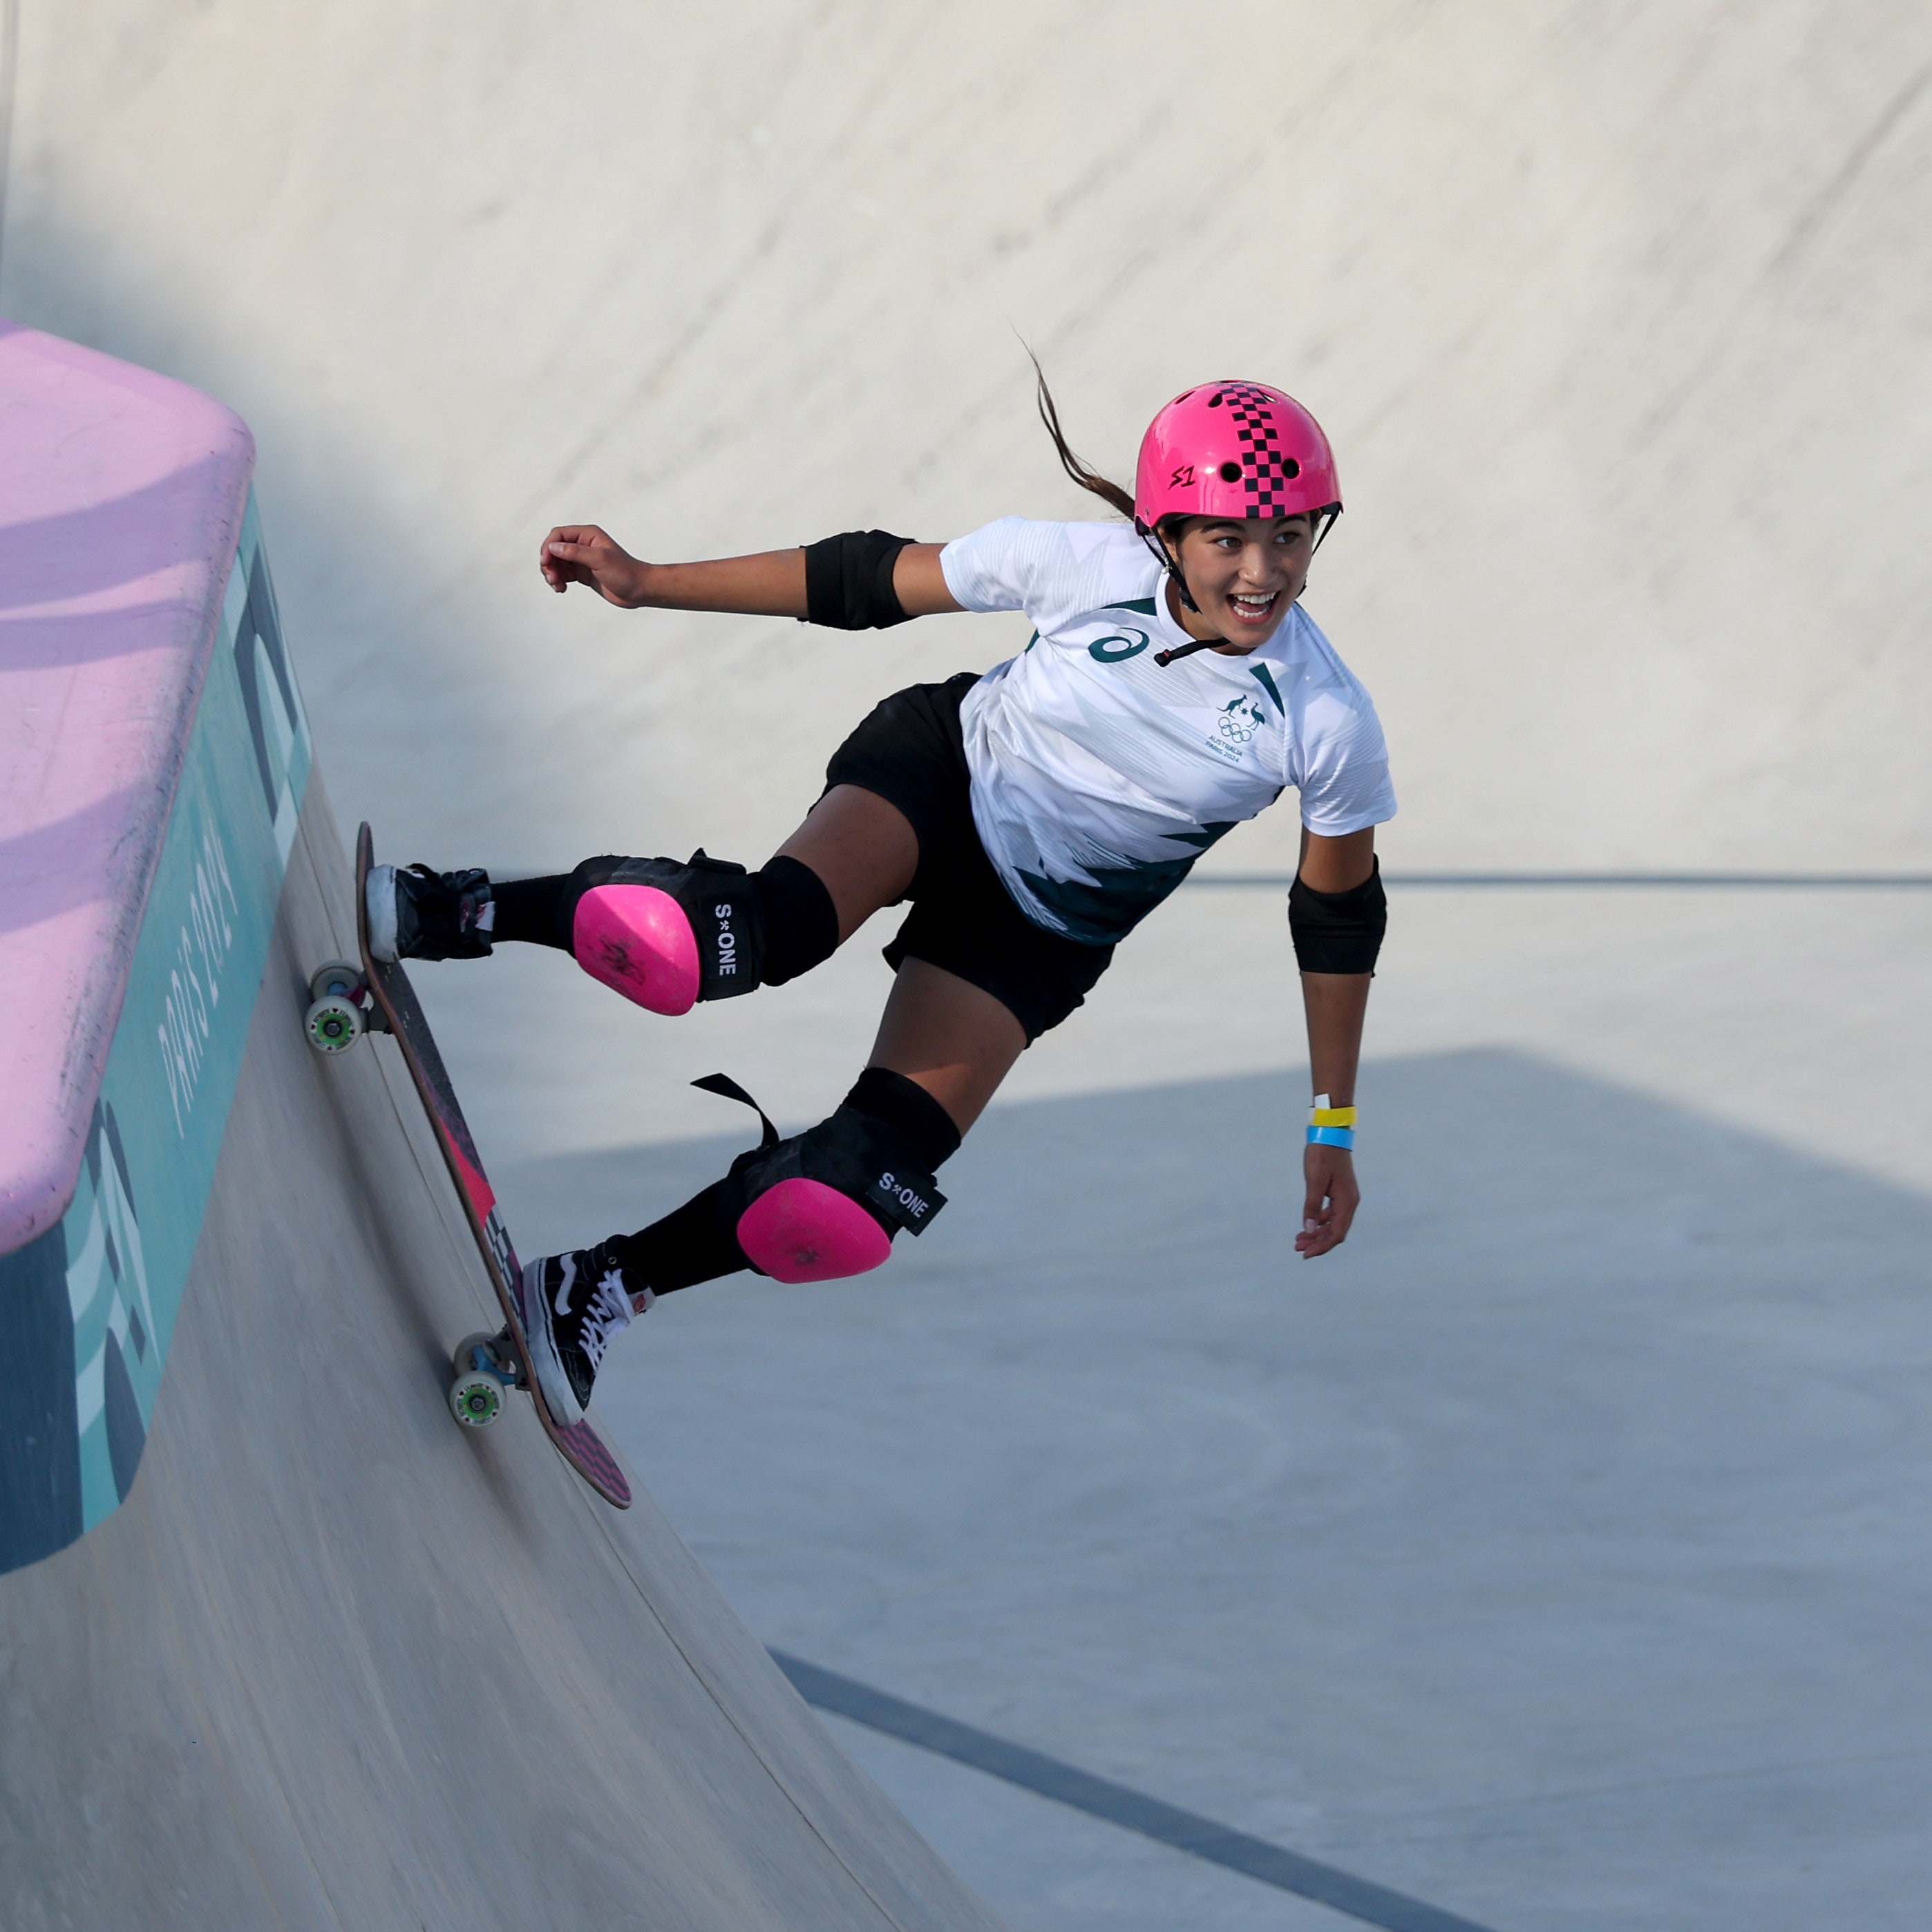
415,913
573,1305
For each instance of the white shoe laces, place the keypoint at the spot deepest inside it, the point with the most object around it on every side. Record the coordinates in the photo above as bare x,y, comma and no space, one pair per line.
607,1311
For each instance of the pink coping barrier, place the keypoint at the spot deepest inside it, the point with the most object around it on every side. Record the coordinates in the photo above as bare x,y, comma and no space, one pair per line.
121,496
803,1231
638,942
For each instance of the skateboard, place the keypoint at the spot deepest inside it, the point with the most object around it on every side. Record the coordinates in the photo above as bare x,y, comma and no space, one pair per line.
350,1001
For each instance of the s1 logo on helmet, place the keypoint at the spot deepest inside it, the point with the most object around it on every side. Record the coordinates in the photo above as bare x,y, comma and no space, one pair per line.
1181,477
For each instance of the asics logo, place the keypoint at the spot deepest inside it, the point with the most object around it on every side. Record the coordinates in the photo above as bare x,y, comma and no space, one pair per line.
1111,650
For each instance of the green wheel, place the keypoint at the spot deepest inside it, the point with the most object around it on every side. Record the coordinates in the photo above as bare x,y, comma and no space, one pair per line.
476,1394
476,1398
333,1024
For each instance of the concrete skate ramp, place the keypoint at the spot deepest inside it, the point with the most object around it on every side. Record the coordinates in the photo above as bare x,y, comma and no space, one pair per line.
336,1663
1616,315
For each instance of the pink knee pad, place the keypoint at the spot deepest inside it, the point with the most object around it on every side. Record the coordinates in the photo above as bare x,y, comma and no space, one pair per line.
637,940
803,1231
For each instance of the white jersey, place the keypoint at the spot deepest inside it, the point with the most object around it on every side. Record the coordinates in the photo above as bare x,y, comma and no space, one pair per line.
1098,776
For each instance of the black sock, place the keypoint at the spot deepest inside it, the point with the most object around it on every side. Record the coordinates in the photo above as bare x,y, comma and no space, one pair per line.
531,910
690,1244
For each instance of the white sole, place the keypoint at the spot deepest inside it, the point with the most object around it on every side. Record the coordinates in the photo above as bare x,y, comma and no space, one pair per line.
558,1397
379,897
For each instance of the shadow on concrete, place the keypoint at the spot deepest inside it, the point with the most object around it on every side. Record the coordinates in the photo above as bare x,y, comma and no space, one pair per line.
1557,1551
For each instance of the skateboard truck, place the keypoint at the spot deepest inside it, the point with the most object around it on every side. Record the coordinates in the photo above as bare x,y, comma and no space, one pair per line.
342,1009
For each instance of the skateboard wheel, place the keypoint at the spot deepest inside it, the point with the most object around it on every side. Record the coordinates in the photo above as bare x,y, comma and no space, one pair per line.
476,1394
338,976
333,1024
476,1398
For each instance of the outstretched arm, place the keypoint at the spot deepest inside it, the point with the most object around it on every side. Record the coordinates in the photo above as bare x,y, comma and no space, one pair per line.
1336,1004
770,583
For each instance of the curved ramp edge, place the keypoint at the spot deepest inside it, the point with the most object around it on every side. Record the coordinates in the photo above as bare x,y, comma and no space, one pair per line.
123,498
336,1663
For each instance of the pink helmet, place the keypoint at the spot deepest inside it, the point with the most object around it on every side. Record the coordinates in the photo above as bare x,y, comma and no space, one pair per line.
1234,449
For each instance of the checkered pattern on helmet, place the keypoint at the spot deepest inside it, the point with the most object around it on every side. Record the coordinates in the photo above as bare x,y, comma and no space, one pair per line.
1265,468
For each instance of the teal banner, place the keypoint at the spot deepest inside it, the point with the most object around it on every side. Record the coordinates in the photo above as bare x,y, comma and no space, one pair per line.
97,1296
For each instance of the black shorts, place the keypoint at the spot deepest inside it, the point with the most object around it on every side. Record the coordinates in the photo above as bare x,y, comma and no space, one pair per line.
911,752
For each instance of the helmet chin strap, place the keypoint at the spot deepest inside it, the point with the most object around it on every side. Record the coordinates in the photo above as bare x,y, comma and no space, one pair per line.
1187,650
1157,543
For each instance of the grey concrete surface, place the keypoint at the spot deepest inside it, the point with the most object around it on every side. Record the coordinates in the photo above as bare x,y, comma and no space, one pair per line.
1616,314
1064,1870
338,1663
1554,1552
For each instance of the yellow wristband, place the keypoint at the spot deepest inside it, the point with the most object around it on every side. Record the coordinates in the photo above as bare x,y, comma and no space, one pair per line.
1331,1116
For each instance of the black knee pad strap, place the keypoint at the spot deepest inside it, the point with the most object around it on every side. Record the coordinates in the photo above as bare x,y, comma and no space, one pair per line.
866,1158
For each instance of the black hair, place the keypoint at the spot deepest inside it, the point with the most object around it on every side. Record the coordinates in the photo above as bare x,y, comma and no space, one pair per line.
1109,492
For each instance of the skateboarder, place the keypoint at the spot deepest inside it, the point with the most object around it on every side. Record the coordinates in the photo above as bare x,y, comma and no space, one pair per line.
1033,816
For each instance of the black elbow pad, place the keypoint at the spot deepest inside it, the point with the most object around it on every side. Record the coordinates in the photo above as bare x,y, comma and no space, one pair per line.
848,581
1338,932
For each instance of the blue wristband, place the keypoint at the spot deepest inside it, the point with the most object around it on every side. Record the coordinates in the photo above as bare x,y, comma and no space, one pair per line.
1340,1137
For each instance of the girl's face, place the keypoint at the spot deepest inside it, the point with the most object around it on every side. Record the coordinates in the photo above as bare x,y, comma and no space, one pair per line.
1244,573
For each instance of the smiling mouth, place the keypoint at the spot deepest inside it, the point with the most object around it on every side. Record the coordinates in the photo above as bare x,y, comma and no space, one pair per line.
1254,609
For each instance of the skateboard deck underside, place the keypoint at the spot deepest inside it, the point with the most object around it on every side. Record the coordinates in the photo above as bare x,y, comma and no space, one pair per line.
578,1443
